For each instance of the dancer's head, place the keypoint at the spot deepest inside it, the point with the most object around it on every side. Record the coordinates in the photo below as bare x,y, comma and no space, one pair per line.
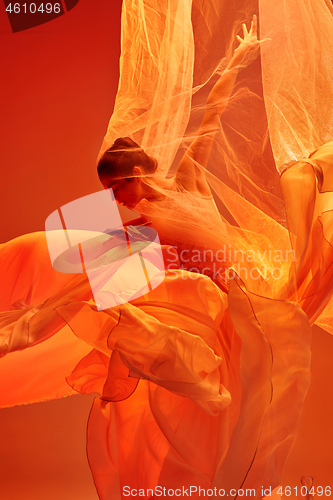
122,167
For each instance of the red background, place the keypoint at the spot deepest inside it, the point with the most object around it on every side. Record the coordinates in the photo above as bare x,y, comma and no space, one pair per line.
58,86
57,93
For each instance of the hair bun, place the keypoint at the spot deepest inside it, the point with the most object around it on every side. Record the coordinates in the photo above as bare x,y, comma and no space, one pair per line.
120,160
125,143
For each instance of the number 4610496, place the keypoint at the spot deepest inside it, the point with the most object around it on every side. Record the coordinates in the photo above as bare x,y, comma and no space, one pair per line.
303,491
32,8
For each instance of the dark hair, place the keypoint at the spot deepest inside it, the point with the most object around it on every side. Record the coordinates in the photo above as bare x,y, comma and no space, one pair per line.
119,160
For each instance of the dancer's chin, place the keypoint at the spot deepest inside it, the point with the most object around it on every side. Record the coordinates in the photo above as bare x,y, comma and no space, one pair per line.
130,206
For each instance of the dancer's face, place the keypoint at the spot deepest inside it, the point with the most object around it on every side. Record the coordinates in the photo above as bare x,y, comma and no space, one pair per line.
127,192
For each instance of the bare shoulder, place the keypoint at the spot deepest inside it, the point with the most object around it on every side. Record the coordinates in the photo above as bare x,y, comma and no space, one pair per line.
192,178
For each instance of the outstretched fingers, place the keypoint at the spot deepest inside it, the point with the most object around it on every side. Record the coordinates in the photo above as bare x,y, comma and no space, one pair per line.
253,29
250,42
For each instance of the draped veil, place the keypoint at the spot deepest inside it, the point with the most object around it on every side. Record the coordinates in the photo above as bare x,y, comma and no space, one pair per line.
281,108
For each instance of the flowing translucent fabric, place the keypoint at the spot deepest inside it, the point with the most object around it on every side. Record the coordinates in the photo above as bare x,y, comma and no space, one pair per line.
280,110
202,380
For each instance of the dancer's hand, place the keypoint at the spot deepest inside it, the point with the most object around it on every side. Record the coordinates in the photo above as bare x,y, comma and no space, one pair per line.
199,151
250,42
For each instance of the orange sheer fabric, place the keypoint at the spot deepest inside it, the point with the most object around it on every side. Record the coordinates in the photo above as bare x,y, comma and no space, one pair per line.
198,387
273,116
297,78
29,293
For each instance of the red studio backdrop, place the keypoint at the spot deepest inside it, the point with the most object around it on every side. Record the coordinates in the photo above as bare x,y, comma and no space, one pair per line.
59,80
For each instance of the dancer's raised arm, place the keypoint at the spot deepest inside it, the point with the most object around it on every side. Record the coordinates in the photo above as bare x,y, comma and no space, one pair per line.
199,151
